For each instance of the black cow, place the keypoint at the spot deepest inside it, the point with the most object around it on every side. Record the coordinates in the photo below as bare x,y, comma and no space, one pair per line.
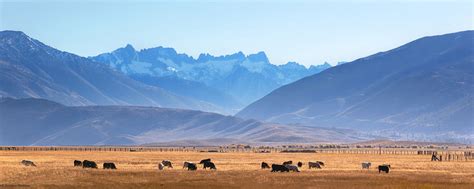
205,160
89,164
288,162
434,157
77,163
265,166
385,168
320,163
315,164
167,163
210,165
279,168
300,164
191,166
109,166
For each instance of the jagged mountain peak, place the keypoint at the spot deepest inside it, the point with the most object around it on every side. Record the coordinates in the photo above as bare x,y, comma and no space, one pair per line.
292,65
258,57
32,69
252,76
321,66
206,57
129,47
127,51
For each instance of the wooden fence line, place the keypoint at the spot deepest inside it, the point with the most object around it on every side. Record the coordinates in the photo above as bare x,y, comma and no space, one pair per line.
445,155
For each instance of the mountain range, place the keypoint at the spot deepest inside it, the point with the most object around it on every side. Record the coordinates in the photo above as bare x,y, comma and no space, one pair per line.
30,68
41,122
421,90
235,80
157,76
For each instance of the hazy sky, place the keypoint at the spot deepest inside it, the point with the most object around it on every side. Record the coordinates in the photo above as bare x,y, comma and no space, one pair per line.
302,31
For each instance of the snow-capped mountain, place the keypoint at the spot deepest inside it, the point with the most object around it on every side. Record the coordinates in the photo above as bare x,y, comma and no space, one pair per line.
29,68
245,78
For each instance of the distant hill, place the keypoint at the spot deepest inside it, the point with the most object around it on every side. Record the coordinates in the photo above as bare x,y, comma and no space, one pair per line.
239,78
42,122
421,90
390,143
30,68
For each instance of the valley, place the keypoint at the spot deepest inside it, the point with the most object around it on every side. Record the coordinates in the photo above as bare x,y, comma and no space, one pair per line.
234,170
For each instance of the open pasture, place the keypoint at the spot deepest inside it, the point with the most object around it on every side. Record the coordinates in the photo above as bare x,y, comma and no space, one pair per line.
234,170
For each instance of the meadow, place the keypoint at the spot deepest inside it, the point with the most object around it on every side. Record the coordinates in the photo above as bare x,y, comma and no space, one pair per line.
234,170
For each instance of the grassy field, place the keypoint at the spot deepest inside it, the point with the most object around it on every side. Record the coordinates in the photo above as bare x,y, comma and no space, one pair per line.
235,170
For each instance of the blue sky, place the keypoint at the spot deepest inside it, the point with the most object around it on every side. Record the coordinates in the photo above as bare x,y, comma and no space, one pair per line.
307,32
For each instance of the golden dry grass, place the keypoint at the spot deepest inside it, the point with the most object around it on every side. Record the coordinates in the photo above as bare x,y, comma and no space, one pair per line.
235,170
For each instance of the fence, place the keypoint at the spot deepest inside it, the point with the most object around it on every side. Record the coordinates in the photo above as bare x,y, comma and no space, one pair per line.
97,148
444,155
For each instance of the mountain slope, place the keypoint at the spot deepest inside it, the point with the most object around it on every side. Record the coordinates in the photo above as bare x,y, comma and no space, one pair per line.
30,68
245,78
42,122
425,87
223,103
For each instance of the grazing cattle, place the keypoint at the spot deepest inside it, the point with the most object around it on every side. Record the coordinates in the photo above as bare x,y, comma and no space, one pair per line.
28,163
186,163
77,163
385,168
191,166
366,165
210,165
293,168
167,163
265,166
161,166
109,166
316,164
287,162
320,163
279,168
89,164
434,158
300,164
205,160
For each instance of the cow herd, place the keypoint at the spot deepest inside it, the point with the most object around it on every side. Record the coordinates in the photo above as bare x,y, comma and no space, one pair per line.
382,168
207,163
93,164
286,166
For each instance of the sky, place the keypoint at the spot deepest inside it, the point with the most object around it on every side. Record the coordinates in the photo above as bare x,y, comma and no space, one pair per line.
308,32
